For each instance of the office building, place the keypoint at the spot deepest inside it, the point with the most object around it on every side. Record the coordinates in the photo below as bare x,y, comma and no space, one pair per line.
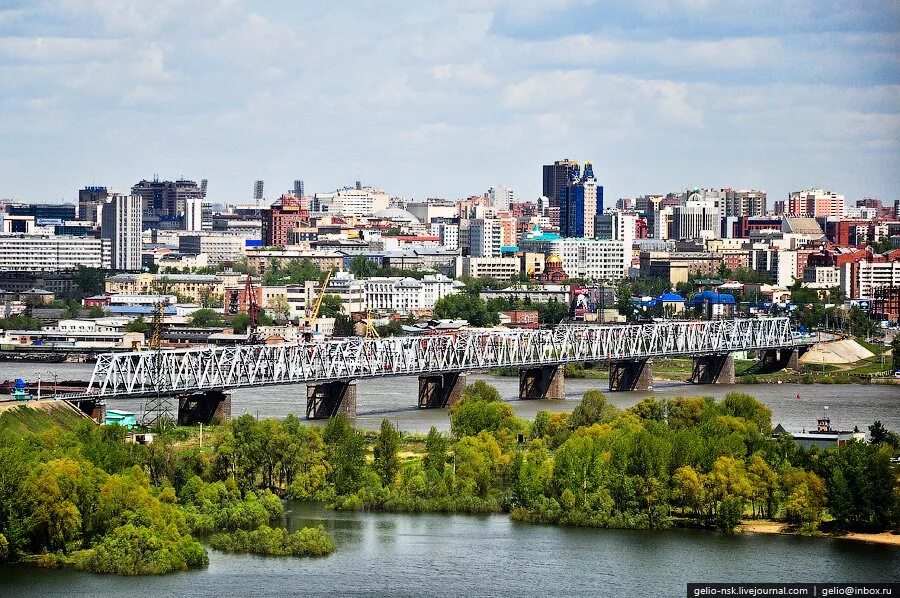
616,226
258,191
744,202
557,176
501,268
485,237
217,247
405,295
298,188
696,220
164,203
280,218
579,203
121,225
363,201
447,234
89,199
42,253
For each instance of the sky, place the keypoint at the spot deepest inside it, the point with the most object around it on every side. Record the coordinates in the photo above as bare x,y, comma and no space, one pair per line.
447,98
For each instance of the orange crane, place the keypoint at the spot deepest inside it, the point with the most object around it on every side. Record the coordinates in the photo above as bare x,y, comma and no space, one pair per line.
317,305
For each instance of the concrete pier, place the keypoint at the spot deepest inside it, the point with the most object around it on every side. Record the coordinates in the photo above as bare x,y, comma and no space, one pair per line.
713,369
330,398
631,375
546,382
441,390
204,407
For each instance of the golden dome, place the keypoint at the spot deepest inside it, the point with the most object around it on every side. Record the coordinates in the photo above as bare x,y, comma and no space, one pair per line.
553,259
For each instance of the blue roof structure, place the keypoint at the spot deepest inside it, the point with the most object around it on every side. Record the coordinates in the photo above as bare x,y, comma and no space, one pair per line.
713,297
671,297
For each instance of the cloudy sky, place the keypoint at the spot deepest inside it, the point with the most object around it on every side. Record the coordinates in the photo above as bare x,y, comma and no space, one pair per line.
444,99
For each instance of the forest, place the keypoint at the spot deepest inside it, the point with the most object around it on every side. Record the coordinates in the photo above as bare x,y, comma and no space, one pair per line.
86,498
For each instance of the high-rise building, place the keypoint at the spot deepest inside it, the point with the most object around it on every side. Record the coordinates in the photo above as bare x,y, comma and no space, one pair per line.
815,203
501,197
258,191
485,237
696,220
579,203
193,214
88,200
203,185
744,202
298,188
616,225
280,218
557,176
121,225
164,203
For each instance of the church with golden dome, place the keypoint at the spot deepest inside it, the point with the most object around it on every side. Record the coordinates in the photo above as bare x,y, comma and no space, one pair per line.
553,271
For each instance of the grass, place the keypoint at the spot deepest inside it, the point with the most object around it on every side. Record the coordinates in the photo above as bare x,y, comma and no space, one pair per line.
21,420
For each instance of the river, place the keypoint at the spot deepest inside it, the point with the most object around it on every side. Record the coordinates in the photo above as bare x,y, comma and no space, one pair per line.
462,555
848,405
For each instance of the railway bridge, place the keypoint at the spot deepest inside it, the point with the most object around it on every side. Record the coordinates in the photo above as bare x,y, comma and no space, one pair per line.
200,378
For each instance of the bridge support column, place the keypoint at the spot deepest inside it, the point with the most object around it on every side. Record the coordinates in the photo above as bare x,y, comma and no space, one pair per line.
631,375
204,408
546,382
331,398
773,360
441,390
713,369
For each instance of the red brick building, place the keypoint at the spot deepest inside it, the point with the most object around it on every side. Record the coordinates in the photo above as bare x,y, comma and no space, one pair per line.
281,217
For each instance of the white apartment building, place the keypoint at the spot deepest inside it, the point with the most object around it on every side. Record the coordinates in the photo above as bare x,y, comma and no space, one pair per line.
404,295
351,202
218,247
121,224
447,233
616,225
485,237
874,275
501,268
48,253
501,197
593,259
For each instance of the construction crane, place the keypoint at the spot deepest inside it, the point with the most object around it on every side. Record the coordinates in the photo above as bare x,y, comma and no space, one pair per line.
252,311
317,305
371,331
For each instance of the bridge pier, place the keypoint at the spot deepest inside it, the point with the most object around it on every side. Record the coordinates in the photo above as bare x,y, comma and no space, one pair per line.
331,398
204,408
545,382
713,369
631,375
773,360
441,390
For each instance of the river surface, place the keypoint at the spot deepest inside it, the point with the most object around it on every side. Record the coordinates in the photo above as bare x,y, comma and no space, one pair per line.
461,555
848,405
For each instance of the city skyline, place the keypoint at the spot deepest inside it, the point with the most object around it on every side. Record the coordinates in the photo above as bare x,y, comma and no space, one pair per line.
446,101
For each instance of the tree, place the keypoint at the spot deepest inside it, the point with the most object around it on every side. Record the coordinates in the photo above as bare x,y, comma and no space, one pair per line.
895,352
280,307
551,313
343,327
464,306
89,281
881,435
207,318
331,306
739,404
688,489
435,451
804,498
362,267
345,450
861,487
241,322
387,444
480,409
592,409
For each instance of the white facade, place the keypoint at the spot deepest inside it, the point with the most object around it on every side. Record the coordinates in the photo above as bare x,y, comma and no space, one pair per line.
616,226
49,253
351,202
220,248
404,295
501,268
485,237
447,233
593,259
697,220
877,275
501,197
121,224
193,213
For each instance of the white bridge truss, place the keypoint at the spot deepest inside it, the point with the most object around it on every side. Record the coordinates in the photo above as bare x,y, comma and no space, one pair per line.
177,371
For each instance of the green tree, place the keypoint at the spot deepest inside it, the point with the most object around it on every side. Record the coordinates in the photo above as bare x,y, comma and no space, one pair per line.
331,306
89,281
206,318
345,451
881,435
480,409
387,445
435,451
343,327
861,485
464,306
739,404
362,267
895,352
592,409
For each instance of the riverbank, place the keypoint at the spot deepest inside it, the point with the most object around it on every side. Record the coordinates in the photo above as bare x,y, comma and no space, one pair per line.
780,528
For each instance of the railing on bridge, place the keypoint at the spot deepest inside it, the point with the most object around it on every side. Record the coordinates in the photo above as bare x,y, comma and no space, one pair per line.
188,370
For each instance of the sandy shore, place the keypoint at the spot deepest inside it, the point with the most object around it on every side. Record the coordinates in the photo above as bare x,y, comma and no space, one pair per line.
775,527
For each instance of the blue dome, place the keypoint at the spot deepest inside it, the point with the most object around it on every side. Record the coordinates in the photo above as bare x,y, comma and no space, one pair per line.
671,297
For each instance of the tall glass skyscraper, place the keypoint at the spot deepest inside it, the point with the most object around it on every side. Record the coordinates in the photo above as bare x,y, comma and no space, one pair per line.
579,203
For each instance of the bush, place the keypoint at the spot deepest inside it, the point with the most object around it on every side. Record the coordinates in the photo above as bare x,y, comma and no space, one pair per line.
309,541
138,550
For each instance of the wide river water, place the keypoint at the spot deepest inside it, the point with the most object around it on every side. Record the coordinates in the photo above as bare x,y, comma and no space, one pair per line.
425,555
848,405
454,555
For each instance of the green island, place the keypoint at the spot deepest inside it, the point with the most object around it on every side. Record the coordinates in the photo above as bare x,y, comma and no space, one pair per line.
77,495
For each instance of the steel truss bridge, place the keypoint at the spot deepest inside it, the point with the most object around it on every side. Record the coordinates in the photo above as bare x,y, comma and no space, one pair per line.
177,371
